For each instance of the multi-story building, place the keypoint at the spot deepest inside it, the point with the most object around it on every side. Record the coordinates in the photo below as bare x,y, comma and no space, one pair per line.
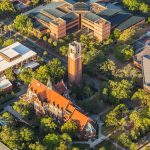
99,17
48,101
14,56
75,63
140,53
142,59
146,72
5,85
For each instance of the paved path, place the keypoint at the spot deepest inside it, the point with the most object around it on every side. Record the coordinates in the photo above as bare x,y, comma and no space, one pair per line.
117,145
23,91
15,114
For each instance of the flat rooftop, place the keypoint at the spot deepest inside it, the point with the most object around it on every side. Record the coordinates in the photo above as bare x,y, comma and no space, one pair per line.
119,18
91,16
140,53
107,13
4,83
54,12
10,53
17,49
130,22
109,5
81,6
70,17
38,25
42,17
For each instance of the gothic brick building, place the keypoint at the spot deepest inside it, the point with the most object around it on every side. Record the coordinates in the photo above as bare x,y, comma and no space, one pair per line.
47,101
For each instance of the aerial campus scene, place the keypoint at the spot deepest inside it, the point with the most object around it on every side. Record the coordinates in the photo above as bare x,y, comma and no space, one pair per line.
74,74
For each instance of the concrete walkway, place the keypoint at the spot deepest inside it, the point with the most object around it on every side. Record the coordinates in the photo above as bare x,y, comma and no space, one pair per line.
15,114
23,91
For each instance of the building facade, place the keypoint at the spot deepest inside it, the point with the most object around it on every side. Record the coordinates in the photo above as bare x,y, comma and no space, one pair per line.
75,63
99,17
47,101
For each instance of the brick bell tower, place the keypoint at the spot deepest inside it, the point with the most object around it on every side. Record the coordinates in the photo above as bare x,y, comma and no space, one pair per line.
74,63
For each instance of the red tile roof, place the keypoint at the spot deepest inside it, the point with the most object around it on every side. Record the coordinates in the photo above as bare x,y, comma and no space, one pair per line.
60,87
80,118
61,102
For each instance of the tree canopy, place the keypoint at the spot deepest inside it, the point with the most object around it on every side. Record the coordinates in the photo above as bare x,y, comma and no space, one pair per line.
117,90
6,6
23,24
70,128
48,125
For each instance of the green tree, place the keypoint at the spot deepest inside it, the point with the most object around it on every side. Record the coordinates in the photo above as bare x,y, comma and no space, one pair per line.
108,67
50,41
37,146
56,70
42,74
39,35
45,53
48,125
127,53
55,43
10,136
66,138
51,141
64,50
102,148
8,42
142,96
70,128
34,2
116,33
124,52
26,75
22,23
117,90
124,140
134,146
62,146
6,7
45,38
6,28
9,74
127,35
132,5
23,108
26,134
115,118
7,116
144,8
129,72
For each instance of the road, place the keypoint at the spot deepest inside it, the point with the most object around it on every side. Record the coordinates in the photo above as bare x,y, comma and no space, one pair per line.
34,46
37,46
